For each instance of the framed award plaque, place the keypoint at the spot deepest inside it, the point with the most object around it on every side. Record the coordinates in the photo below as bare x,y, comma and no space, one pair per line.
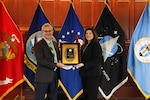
70,53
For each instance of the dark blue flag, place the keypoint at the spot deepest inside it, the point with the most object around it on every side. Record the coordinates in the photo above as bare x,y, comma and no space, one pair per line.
139,53
72,28
33,36
114,69
72,32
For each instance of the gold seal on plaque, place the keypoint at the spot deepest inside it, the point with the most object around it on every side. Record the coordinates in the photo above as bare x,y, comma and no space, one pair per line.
70,53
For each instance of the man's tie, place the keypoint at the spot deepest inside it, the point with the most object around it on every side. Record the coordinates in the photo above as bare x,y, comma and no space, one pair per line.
53,51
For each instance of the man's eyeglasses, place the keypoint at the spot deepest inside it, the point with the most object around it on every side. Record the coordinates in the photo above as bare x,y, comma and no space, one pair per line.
46,31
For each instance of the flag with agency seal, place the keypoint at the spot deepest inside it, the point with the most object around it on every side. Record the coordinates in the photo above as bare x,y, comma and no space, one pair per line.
71,32
114,69
33,36
139,53
11,53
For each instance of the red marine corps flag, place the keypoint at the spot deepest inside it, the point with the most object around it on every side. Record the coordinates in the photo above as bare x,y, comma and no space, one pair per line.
11,54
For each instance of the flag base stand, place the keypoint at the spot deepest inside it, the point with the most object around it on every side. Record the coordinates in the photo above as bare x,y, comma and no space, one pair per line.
19,97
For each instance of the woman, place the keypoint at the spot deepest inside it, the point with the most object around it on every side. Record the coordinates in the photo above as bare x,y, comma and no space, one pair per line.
91,60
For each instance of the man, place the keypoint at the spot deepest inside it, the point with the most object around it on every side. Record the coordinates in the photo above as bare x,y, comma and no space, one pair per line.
47,55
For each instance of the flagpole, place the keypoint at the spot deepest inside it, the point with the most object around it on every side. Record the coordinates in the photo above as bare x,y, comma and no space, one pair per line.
72,2
21,94
106,2
38,1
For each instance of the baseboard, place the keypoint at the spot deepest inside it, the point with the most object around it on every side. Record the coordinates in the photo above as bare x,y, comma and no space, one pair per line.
132,99
123,99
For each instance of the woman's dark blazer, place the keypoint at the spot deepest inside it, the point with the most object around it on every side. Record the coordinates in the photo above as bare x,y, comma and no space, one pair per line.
45,61
92,60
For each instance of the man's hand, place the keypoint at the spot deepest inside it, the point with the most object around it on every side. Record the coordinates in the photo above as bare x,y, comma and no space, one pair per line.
60,65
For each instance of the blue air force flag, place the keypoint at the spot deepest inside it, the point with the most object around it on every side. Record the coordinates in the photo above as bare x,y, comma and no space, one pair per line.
114,69
72,28
33,36
72,32
139,53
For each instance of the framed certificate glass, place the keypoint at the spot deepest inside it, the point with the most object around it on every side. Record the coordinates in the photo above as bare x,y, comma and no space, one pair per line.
70,53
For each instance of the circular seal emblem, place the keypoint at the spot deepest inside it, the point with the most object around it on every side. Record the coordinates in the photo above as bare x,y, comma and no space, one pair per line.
34,38
142,50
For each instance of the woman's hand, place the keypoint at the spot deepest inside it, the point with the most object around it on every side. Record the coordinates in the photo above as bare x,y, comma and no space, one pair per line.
79,65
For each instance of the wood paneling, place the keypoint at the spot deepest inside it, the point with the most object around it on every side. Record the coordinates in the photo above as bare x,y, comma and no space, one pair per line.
50,9
127,13
62,10
86,13
97,10
123,16
14,93
21,11
138,9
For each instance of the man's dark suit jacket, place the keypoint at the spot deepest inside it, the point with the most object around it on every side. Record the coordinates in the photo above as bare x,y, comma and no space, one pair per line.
45,61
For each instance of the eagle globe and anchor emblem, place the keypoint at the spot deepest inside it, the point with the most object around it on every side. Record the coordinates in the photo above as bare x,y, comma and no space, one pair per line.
3,49
8,47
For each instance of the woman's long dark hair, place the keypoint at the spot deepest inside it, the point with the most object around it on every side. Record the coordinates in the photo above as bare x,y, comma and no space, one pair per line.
95,39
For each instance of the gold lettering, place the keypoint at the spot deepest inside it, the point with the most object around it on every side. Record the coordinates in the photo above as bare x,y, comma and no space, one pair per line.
29,64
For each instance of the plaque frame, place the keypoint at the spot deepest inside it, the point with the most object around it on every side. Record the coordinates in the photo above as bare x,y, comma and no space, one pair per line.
70,53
